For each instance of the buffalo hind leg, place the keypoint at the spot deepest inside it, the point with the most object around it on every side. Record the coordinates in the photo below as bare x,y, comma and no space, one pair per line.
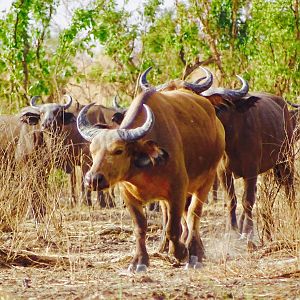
215,189
105,200
164,242
284,175
194,212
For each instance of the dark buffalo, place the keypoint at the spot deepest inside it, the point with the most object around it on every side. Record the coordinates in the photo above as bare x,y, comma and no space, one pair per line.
258,138
168,146
295,118
58,123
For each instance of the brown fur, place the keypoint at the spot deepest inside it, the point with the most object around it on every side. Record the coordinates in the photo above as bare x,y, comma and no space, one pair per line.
19,144
59,126
257,139
188,144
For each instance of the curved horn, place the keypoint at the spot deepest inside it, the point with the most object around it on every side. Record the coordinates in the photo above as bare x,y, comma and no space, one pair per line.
237,94
69,103
33,101
199,88
137,133
293,104
143,80
115,103
84,127
198,80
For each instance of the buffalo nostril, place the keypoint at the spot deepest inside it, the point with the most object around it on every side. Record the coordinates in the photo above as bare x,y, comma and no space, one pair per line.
93,180
99,178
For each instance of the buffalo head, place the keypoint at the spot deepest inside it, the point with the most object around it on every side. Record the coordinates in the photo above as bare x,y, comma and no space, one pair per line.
53,115
196,87
118,153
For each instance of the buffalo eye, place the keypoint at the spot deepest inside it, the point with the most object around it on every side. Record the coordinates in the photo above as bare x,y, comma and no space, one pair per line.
117,152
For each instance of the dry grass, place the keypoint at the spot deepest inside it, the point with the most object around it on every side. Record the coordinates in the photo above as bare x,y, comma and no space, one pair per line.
81,252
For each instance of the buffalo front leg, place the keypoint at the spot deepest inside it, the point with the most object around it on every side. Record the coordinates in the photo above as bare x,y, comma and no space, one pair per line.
101,199
141,257
246,221
73,188
228,184
86,193
174,230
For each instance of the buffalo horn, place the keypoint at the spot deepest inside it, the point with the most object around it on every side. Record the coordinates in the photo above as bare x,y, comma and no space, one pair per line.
33,101
134,134
143,80
69,103
237,94
198,80
293,104
115,103
199,88
84,127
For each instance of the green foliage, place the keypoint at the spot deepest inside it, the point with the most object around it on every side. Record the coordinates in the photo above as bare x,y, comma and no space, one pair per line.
23,55
258,39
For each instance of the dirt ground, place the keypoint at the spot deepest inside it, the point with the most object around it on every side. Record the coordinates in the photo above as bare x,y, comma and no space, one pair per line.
95,247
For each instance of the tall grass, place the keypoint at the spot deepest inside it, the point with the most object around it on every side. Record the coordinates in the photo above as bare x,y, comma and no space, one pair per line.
279,215
35,208
31,199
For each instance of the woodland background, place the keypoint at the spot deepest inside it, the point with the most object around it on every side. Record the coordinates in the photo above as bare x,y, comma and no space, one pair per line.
105,45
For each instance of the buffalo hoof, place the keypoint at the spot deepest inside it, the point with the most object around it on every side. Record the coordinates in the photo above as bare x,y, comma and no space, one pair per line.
139,268
247,236
180,252
193,263
243,236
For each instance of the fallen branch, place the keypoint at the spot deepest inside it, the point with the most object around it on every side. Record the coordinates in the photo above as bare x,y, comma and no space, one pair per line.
29,259
293,274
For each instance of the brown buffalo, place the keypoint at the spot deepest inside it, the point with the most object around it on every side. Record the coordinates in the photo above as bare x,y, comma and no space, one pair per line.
58,123
10,128
168,146
220,105
258,138
19,144
19,141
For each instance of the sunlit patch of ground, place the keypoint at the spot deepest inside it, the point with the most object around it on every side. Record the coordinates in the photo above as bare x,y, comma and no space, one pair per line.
99,245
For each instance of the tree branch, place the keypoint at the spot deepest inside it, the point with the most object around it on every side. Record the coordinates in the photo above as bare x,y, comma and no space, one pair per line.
190,68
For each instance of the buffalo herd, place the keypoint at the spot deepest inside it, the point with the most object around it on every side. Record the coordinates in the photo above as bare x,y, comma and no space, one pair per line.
170,145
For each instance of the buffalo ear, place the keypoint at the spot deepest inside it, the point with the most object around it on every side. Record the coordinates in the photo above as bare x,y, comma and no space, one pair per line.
243,104
118,117
30,118
142,160
68,118
151,155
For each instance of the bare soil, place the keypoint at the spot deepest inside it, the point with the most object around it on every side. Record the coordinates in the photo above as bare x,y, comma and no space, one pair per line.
97,244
